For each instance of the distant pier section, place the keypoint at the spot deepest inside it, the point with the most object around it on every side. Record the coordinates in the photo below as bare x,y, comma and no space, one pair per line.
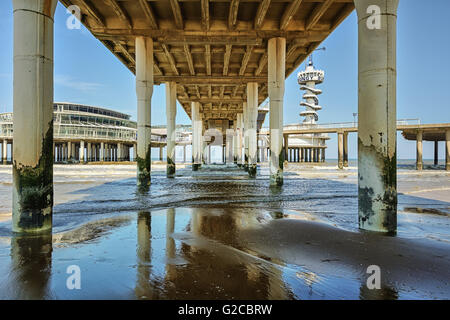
83,133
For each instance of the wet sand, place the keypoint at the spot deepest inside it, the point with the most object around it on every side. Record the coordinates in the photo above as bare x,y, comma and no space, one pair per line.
216,234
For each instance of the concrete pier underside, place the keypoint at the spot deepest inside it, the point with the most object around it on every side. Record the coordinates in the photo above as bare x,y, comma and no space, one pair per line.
221,62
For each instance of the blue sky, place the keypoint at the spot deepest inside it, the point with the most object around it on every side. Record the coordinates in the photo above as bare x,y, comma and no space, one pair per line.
86,72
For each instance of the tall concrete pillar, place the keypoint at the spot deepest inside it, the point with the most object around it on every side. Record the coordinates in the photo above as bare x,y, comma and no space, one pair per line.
447,150
33,116
196,136
323,155
340,150
377,134
184,153
171,112
205,147
82,151
229,146
239,120
144,91
252,115
419,161
245,134
69,150
102,151
5,151
119,152
436,152
89,152
345,137
276,67
235,142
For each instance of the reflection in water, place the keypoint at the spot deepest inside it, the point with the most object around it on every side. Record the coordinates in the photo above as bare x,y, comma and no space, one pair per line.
31,264
384,293
143,288
170,245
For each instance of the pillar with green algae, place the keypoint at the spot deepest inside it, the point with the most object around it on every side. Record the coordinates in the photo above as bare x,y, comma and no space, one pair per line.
144,91
171,112
276,77
377,134
33,116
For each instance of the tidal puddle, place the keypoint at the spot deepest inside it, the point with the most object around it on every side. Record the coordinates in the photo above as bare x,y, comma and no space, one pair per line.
176,253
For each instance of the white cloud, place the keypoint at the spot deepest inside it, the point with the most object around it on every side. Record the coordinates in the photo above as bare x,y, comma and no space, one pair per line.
69,82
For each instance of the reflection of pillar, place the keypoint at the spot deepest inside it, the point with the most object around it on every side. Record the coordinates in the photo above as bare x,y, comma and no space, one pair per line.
447,150
345,149
252,115
436,152
144,287
144,91
171,112
33,115
340,150
31,266
170,244
377,134
276,74
419,162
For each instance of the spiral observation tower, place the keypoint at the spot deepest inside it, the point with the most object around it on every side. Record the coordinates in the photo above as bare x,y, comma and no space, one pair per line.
309,147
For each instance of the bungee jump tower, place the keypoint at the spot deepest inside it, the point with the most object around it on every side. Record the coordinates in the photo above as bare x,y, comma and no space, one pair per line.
309,147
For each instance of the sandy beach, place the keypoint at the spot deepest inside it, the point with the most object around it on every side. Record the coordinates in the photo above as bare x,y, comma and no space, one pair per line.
216,234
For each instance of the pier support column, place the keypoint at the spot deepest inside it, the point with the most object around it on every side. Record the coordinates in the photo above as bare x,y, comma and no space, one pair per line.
239,117
196,136
419,162
235,144
229,146
245,134
436,152
89,152
377,135
345,149
69,150
5,151
102,151
82,152
33,116
340,150
252,115
276,69
447,150
286,148
119,152
171,113
144,91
